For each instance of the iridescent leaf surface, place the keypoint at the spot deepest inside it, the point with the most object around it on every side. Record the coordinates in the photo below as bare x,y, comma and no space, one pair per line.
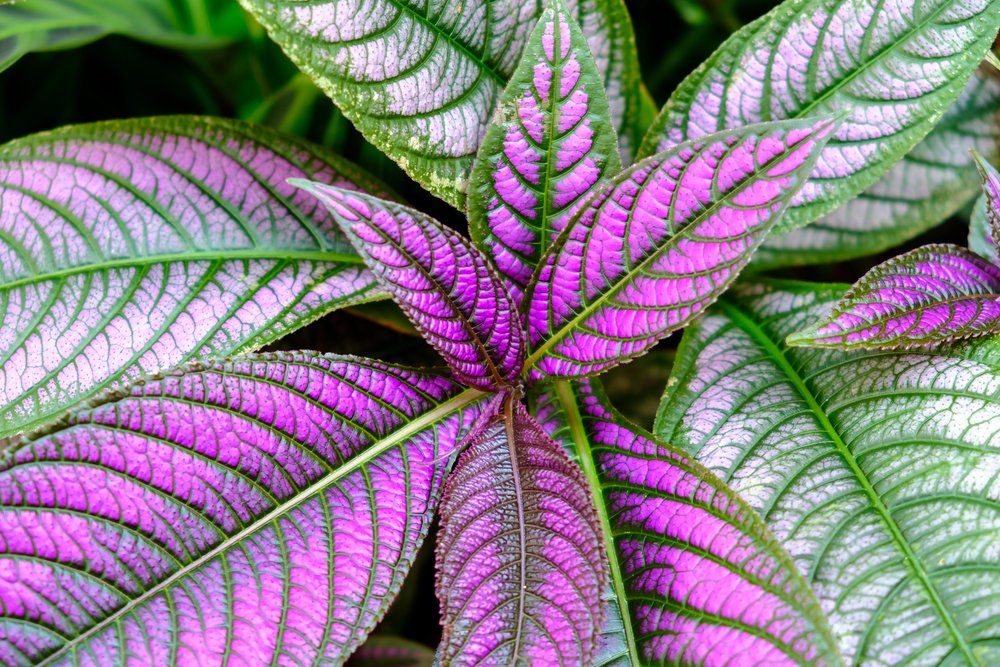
521,566
894,65
552,142
421,82
129,247
264,509
660,242
695,570
450,291
934,294
929,184
877,471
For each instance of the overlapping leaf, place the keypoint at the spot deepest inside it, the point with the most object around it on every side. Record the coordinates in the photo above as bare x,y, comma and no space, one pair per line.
450,292
262,510
661,241
131,246
933,294
422,81
389,651
929,184
877,471
696,572
894,65
991,195
553,141
981,233
46,25
520,563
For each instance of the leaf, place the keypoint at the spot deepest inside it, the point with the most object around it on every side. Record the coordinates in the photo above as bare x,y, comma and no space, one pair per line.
640,262
520,564
991,191
386,651
421,83
46,25
927,186
876,470
261,509
132,246
694,569
894,65
552,142
981,233
934,294
450,291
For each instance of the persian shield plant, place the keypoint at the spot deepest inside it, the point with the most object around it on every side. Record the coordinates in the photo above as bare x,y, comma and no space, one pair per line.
170,494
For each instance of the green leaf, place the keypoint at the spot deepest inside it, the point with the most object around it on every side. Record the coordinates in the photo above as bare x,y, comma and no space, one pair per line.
422,82
893,65
877,470
47,25
931,183
132,246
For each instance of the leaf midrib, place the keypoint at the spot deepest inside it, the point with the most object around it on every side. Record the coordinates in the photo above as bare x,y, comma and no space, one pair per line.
358,462
747,324
280,254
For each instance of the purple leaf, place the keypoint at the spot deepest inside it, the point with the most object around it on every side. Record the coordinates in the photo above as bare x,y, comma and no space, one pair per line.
132,246
388,651
264,509
552,143
662,241
521,566
450,291
991,196
894,65
933,294
697,573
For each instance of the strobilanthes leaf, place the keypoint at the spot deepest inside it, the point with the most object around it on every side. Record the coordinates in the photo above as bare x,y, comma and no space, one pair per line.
131,246
553,140
878,471
991,196
934,294
661,241
696,573
894,65
449,290
521,566
261,510
981,233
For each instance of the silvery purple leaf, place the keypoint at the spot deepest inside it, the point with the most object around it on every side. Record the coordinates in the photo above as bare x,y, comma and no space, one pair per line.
660,242
928,185
448,289
255,511
876,470
934,294
552,142
131,246
521,564
697,574
421,82
894,65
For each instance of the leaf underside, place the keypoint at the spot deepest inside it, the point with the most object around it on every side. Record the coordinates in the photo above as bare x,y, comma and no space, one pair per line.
660,242
132,246
927,186
520,562
265,509
876,470
894,65
931,295
695,570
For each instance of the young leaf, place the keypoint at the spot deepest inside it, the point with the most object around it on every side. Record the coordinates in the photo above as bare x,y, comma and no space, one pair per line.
933,294
450,291
876,471
695,570
991,193
521,567
660,242
422,82
929,184
132,246
265,509
552,142
894,65
981,233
